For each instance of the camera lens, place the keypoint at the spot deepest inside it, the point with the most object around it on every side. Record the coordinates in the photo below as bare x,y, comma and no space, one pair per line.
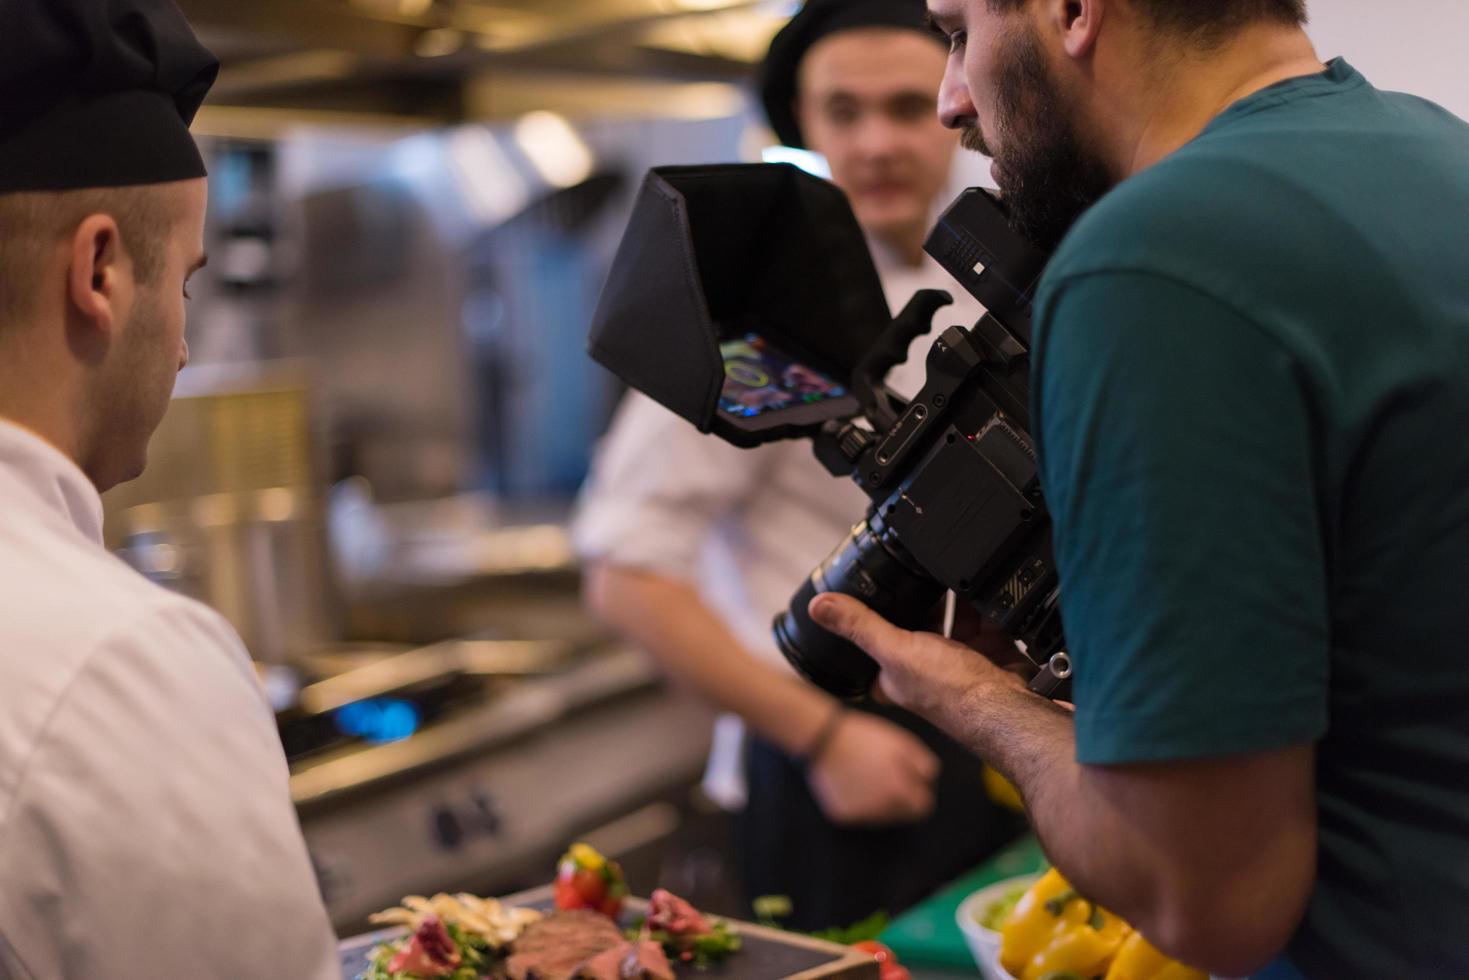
874,570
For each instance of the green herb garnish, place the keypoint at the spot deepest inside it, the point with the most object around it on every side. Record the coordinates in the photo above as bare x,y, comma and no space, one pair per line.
869,928
704,950
473,952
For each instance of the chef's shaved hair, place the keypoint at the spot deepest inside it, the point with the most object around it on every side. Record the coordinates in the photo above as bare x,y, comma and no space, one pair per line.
33,223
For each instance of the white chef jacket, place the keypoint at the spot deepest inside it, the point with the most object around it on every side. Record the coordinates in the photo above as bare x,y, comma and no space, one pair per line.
745,526
146,826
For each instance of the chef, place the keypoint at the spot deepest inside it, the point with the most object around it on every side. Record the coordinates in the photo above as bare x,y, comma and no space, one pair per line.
693,545
146,827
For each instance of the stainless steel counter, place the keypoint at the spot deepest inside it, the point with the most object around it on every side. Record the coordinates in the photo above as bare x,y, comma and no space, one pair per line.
487,800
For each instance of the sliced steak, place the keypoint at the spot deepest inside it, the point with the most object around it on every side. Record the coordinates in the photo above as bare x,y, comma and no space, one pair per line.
553,948
628,961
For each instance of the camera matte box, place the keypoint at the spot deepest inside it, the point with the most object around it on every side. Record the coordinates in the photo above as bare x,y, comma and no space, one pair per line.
714,253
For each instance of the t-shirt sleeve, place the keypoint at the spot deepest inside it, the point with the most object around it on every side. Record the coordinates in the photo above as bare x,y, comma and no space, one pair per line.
657,487
1180,465
153,833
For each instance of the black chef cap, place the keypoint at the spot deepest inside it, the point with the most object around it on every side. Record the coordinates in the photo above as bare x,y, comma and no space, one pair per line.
819,19
98,93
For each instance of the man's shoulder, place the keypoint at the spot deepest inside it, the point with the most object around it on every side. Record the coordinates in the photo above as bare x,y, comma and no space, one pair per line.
160,684
1265,187
1183,216
78,612
1309,228
66,598
1230,227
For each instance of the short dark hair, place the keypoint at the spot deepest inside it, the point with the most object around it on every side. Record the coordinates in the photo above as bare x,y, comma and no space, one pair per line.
1205,21
31,222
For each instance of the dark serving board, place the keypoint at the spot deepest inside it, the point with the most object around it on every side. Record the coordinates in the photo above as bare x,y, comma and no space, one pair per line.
767,954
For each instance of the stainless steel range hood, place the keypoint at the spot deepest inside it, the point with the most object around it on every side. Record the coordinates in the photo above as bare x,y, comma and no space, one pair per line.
433,62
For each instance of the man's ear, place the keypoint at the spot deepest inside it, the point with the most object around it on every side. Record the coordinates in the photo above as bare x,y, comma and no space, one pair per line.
97,272
1076,22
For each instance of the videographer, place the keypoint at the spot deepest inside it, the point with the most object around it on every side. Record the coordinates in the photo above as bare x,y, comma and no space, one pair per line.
1251,389
693,545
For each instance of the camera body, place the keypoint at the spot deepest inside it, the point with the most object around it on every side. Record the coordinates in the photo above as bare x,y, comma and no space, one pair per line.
952,474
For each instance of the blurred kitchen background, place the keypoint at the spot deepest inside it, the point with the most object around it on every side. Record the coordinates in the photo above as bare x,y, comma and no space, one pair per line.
371,459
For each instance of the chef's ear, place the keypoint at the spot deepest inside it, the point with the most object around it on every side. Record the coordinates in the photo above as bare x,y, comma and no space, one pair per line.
100,271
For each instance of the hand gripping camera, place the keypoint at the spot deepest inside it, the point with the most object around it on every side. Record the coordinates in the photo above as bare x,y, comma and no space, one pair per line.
744,299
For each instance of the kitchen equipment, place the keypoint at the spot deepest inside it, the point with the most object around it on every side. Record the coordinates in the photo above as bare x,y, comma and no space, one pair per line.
468,765
383,675
228,511
255,557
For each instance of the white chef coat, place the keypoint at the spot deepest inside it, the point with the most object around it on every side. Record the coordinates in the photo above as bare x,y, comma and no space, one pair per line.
146,826
745,526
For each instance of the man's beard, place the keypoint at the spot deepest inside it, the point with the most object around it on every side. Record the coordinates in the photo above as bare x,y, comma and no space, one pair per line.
1047,176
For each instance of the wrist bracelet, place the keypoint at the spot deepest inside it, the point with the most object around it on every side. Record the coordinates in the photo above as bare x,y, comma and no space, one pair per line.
823,738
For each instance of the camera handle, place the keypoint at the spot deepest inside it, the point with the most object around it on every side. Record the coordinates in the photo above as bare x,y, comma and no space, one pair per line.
880,405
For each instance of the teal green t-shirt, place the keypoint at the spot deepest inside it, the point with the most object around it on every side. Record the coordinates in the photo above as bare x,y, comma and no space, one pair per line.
1252,403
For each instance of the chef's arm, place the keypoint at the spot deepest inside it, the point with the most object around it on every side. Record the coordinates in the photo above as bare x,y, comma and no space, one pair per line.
668,618
1212,859
864,769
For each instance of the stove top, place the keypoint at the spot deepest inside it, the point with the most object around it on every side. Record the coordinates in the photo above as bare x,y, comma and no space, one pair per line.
379,695
382,714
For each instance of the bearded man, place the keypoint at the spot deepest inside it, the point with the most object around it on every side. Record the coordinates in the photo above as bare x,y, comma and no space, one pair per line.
1250,394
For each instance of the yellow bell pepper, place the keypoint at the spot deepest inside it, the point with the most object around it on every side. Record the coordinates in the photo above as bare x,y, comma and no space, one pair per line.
586,856
1000,790
1139,959
1053,930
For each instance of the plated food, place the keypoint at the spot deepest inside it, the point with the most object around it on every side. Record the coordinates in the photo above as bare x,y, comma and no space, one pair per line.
686,934
462,937
455,936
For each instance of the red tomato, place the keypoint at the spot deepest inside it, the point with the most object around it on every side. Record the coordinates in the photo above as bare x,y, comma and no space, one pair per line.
591,886
566,895
876,950
610,907
886,958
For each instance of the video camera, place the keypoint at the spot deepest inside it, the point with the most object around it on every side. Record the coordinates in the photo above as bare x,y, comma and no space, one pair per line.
743,298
